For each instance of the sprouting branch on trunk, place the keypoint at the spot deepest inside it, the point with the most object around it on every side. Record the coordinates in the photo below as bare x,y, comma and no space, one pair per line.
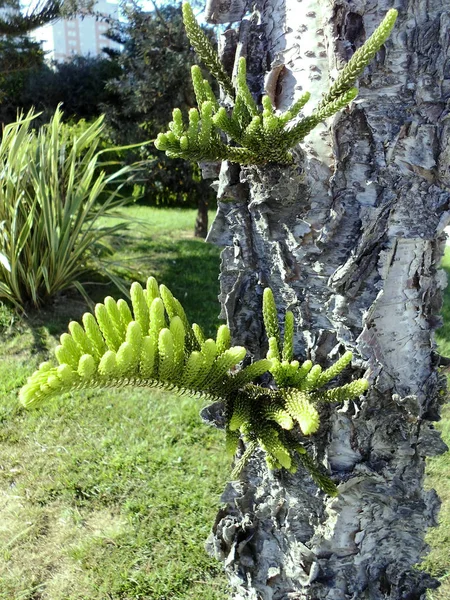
250,134
152,344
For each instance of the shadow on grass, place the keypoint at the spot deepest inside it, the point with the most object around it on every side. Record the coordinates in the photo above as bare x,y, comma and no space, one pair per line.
191,273
189,268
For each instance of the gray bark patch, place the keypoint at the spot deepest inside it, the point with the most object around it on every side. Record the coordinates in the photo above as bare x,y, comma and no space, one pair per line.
350,240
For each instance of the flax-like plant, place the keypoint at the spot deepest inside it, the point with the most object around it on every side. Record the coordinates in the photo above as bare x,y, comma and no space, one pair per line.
51,181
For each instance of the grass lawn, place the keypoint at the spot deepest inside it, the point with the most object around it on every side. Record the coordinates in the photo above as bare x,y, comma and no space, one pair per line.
111,496
438,561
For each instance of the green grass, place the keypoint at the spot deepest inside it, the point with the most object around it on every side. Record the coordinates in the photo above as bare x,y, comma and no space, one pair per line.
443,334
162,245
438,473
111,496
438,561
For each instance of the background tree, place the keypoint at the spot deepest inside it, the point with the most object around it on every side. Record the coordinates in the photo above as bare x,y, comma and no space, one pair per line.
22,58
19,56
349,239
14,22
78,84
133,87
155,74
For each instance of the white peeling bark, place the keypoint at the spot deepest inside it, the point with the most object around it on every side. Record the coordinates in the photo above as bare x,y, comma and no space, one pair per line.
349,239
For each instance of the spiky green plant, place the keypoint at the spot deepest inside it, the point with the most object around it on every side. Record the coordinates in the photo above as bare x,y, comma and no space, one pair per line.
152,344
257,135
204,49
51,183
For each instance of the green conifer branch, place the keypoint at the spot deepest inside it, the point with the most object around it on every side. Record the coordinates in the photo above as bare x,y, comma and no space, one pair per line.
360,59
157,347
288,340
270,317
256,135
317,472
203,47
242,89
297,399
306,125
152,344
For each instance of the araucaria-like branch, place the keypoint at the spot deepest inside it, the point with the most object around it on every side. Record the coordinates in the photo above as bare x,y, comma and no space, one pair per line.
249,134
152,344
203,47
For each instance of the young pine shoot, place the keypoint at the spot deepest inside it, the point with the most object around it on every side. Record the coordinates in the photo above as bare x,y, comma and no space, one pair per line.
251,134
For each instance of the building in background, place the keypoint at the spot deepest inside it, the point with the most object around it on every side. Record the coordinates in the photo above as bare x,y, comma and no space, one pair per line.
83,35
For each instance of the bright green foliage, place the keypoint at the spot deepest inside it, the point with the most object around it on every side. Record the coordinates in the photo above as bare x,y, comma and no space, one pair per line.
250,373
94,333
166,369
198,333
258,135
154,349
155,346
271,318
223,338
178,334
86,367
203,47
302,410
134,337
231,442
335,369
362,57
288,342
270,442
107,366
140,307
297,400
152,290
346,392
148,357
106,325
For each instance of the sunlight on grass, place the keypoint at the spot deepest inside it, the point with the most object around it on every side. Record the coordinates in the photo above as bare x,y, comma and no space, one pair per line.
162,244
438,473
438,561
103,497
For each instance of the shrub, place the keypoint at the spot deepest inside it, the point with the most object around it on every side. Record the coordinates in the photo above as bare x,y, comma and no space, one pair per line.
50,182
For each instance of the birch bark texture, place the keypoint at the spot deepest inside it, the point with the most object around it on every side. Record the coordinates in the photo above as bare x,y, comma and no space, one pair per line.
349,239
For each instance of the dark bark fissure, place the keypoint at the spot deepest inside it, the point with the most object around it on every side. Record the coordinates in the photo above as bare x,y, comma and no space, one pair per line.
350,242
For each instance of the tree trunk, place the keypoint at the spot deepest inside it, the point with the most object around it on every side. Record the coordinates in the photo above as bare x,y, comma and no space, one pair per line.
350,240
201,220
